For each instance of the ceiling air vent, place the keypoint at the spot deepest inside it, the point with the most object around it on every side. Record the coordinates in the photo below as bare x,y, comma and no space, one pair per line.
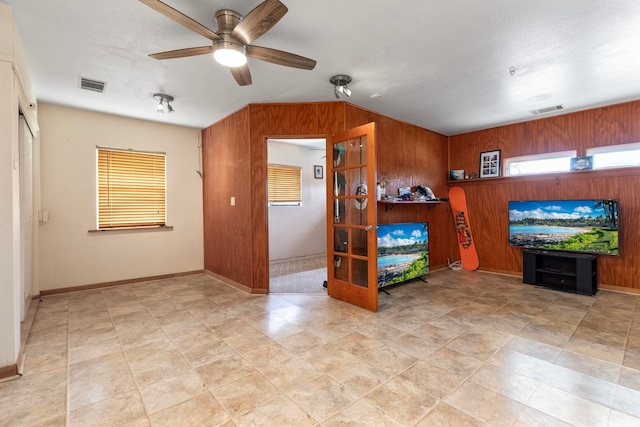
547,110
93,85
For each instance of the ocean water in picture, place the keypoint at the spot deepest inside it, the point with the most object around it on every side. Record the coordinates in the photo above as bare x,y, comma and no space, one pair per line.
544,229
386,261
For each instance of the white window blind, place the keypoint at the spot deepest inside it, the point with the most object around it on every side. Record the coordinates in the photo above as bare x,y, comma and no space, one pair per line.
284,184
131,189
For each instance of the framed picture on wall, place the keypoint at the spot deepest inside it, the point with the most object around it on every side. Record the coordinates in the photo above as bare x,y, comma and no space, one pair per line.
490,164
317,172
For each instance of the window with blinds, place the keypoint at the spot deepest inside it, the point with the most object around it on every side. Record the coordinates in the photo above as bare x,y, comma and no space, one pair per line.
284,184
131,189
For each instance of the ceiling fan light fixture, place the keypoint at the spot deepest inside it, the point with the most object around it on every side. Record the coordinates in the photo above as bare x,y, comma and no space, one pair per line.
229,53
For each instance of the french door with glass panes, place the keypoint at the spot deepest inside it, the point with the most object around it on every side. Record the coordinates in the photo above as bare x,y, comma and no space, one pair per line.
351,217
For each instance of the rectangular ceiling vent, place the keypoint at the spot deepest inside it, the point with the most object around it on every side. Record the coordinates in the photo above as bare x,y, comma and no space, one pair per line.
93,85
547,110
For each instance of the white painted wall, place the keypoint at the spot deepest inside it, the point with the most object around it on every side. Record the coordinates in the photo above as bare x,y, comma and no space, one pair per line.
69,254
296,231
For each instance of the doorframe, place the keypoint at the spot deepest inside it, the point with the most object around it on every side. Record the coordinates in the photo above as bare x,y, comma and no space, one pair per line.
266,139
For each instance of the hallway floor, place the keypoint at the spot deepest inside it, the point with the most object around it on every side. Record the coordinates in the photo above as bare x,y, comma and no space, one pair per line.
303,275
468,348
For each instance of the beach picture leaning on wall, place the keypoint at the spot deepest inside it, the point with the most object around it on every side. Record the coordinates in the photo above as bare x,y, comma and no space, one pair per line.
585,225
403,252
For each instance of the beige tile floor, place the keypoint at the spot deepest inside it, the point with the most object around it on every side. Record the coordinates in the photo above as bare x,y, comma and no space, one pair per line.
466,349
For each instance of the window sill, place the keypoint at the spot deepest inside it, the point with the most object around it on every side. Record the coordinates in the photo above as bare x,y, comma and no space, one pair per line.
134,229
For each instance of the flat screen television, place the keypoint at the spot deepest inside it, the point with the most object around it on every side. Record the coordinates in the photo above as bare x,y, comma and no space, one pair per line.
403,252
585,225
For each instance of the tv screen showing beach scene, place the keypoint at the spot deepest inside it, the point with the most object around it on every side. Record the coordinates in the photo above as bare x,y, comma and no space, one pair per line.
403,252
587,225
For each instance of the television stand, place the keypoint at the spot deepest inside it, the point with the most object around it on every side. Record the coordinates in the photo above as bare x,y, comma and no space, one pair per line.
570,272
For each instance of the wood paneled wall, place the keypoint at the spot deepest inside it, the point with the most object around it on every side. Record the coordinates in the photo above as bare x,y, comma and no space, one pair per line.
279,120
235,165
235,162
408,156
488,199
227,173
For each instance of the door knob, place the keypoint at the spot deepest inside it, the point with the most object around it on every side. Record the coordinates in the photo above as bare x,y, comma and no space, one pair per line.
369,227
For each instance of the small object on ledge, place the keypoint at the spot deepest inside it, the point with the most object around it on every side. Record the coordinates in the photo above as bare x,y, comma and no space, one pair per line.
456,174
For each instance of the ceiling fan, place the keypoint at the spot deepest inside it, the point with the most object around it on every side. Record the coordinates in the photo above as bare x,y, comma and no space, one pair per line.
232,42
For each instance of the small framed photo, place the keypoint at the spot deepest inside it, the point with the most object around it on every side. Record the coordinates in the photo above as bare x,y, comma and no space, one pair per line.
582,163
317,172
490,164
456,174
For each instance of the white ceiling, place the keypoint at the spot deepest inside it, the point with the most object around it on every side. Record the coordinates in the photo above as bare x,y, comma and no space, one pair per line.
442,65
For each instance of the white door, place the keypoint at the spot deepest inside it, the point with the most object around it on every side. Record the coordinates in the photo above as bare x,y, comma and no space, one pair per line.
26,217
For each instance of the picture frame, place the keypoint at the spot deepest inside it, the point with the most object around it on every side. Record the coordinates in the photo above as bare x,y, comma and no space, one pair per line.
317,172
490,164
584,163
456,174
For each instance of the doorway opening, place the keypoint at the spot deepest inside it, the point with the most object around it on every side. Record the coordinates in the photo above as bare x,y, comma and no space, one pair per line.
297,224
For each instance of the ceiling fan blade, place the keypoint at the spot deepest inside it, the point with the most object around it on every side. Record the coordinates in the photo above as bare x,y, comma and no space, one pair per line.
181,53
259,21
241,74
279,57
181,18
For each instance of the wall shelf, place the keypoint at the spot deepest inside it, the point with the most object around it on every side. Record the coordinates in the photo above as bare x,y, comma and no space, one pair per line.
390,204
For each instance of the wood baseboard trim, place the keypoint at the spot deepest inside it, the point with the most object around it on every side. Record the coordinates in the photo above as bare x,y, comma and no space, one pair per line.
501,272
622,289
613,288
483,270
117,283
11,371
240,286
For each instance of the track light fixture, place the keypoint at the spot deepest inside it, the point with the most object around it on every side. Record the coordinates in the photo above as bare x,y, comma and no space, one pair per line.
340,83
162,99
